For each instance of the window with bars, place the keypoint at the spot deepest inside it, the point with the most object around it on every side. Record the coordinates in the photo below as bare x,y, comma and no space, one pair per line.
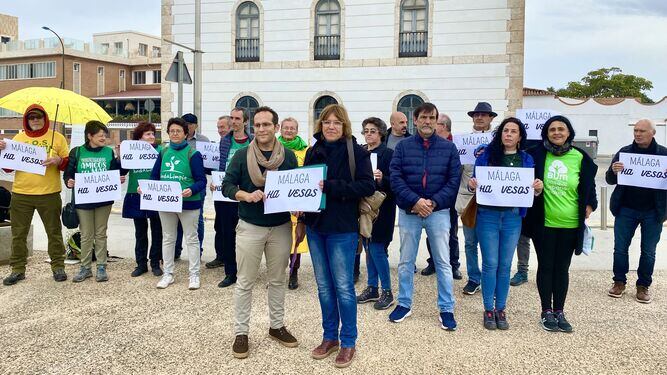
327,30
28,70
321,103
413,35
250,105
407,105
247,32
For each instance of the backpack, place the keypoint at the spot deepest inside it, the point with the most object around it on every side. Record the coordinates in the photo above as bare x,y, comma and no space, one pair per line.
5,200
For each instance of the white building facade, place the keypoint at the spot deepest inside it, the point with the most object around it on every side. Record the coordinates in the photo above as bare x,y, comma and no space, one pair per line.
372,56
611,120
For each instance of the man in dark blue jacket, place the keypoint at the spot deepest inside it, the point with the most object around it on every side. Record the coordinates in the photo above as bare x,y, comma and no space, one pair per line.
425,176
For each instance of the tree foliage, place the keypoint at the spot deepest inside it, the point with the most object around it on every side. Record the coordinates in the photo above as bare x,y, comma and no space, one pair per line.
607,83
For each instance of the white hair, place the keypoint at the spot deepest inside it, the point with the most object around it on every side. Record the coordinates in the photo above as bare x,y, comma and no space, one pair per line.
650,122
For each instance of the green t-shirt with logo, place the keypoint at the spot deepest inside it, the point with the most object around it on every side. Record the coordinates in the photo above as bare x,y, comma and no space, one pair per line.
561,199
93,161
176,167
139,174
235,147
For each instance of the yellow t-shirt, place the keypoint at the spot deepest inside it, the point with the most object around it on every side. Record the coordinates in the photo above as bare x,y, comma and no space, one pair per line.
34,184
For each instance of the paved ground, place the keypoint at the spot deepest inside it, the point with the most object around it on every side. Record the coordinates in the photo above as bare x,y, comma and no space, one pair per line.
128,326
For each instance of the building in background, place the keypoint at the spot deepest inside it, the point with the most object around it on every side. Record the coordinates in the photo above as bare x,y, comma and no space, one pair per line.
611,120
372,57
9,28
119,70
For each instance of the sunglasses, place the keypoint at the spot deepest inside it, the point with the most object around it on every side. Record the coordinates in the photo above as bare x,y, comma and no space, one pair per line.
35,117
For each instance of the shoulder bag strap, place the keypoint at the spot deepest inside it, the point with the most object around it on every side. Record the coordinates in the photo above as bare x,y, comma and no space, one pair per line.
350,158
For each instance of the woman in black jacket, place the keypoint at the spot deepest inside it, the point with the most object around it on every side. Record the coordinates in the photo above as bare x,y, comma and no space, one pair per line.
333,232
556,222
377,262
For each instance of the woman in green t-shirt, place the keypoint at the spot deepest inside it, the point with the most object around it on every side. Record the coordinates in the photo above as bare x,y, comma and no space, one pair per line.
556,222
144,131
93,156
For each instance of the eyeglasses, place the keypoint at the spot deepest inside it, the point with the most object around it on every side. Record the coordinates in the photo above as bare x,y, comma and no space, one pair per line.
330,123
369,131
176,131
35,117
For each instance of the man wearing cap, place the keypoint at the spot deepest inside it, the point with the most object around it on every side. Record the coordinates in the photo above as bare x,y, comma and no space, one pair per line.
398,130
481,116
32,192
193,138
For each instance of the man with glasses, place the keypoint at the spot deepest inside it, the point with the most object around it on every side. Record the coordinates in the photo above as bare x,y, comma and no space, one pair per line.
32,192
443,128
425,175
235,140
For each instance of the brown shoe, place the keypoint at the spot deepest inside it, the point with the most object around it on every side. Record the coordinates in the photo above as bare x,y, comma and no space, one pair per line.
325,349
344,357
240,347
283,336
617,289
643,296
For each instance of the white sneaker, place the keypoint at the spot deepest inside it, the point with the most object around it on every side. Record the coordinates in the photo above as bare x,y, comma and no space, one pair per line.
194,282
166,280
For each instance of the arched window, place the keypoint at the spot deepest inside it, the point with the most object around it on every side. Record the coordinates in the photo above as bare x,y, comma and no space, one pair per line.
327,30
413,36
247,32
321,103
250,105
407,105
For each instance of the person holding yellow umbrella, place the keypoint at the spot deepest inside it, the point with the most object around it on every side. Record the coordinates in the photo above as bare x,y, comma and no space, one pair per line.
32,192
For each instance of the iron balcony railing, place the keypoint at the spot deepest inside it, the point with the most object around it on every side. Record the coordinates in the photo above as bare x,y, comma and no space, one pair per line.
247,49
327,47
413,44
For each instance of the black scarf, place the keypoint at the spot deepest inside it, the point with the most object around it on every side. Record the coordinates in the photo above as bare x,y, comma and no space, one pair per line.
557,150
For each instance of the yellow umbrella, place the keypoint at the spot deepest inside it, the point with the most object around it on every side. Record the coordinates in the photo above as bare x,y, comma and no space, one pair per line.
61,105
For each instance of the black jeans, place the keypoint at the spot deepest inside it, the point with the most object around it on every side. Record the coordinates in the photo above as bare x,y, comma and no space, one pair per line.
141,251
554,254
226,219
453,242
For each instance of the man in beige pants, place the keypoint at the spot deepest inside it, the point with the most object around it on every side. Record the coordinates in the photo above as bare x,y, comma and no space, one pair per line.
258,233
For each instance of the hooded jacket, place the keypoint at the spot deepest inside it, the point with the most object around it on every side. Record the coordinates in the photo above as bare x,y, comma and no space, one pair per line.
55,145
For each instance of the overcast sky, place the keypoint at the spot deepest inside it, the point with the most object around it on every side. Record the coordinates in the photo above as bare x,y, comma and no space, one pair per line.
565,39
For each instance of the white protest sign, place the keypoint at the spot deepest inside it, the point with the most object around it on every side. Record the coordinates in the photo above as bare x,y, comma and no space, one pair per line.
217,178
23,157
164,196
534,119
374,161
467,143
210,153
97,187
294,190
641,170
137,155
505,186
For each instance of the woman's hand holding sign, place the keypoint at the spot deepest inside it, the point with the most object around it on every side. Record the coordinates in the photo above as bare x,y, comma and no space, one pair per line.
538,185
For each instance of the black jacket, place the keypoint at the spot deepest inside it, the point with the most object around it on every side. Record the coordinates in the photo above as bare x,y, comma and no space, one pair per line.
660,196
341,214
383,227
533,223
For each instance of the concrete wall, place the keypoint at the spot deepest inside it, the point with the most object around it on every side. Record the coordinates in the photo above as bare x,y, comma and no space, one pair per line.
612,122
475,53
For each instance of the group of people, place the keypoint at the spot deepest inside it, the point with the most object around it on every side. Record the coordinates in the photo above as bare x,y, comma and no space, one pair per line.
420,176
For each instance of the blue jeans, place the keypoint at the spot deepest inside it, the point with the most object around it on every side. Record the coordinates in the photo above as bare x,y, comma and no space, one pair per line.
333,263
377,262
437,230
498,233
472,256
625,226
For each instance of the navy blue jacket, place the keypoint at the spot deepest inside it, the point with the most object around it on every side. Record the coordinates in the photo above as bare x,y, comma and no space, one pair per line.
439,165
383,227
226,145
526,162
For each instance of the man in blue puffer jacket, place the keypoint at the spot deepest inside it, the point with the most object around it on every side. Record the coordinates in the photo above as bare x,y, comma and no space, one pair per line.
425,176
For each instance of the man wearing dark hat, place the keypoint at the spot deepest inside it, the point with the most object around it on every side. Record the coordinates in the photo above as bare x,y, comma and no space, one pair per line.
482,116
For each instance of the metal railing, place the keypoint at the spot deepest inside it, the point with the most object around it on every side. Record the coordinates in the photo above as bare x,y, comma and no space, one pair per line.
327,47
413,44
247,49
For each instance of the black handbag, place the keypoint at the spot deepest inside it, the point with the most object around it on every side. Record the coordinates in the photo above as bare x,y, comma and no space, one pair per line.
69,217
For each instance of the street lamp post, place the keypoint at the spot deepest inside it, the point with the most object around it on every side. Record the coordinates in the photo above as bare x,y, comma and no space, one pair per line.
62,82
